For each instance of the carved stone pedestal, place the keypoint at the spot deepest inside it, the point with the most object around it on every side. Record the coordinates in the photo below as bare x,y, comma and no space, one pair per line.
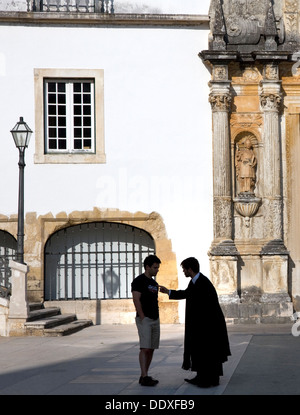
252,288
224,277
247,206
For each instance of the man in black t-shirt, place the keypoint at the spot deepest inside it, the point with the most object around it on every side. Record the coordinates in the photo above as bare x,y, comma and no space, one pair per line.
145,298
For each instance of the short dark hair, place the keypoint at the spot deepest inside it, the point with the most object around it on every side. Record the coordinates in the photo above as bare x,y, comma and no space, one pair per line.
192,263
150,260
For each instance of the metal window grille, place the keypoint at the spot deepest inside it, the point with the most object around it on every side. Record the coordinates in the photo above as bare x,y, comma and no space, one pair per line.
95,261
69,116
8,248
85,6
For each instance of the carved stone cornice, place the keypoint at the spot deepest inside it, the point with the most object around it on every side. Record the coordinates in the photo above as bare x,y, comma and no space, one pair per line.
274,247
224,248
103,19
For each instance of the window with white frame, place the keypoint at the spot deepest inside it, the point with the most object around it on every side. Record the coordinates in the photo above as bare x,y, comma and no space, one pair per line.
69,115
70,129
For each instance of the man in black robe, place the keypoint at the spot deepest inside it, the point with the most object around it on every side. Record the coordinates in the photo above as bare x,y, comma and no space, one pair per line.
206,345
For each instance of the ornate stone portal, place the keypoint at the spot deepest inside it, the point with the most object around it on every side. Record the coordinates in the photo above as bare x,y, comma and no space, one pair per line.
252,56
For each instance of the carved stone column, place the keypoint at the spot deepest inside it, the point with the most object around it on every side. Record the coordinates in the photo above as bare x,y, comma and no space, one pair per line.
248,260
223,254
270,100
220,100
274,255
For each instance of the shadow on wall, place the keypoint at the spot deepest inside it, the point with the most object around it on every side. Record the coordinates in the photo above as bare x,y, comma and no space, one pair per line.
111,282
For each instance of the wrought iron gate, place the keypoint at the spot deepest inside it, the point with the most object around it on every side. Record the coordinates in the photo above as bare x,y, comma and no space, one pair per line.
95,260
8,248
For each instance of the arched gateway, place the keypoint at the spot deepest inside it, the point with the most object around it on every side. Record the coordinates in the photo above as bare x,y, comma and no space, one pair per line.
95,260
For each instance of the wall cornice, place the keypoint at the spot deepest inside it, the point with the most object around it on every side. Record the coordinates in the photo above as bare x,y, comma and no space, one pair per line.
100,19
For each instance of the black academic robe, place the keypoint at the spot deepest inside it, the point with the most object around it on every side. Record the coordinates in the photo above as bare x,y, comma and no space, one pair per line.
206,344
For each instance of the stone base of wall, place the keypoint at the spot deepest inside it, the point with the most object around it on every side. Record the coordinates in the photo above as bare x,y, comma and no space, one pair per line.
168,311
112,311
16,327
276,312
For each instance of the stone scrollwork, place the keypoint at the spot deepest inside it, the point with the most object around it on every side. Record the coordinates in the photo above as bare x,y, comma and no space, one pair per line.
273,222
291,20
270,102
220,102
291,6
245,121
220,72
233,26
223,220
251,75
272,72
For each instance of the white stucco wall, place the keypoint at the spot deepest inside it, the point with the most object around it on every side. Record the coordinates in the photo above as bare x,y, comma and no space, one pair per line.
157,127
163,6
134,6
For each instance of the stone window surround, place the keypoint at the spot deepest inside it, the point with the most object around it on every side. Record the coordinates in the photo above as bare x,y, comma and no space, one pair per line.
40,157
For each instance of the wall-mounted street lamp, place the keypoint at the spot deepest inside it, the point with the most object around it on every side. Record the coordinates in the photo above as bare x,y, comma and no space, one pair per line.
21,134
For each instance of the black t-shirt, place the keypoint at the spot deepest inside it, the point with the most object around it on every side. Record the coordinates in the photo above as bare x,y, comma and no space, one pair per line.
148,287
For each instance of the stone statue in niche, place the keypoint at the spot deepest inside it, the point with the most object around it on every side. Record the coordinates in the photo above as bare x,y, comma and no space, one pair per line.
245,164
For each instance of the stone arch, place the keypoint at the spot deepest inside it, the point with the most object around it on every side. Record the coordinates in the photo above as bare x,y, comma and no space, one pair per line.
38,229
95,260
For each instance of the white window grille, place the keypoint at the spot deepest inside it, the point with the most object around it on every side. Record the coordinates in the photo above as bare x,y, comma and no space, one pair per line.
69,116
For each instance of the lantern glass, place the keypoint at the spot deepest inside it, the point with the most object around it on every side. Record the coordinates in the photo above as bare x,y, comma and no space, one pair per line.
21,134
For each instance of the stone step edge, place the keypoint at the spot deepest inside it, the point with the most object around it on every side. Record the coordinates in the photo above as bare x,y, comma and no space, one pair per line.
65,329
51,321
43,313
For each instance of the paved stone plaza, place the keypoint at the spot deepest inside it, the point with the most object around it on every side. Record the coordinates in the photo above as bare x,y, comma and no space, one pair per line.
103,360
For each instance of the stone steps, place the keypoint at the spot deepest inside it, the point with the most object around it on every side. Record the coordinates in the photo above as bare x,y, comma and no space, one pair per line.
50,322
42,313
66,329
